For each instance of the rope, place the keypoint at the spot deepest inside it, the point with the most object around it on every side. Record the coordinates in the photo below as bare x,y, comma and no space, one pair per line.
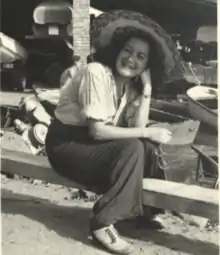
198,82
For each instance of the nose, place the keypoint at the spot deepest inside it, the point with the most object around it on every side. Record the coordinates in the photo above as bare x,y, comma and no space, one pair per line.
131,58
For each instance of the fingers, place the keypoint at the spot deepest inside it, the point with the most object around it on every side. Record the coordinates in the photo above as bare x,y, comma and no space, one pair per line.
165,131
166,136
163,135
160,135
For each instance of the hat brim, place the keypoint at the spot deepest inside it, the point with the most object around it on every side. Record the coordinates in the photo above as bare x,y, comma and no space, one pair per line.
106,24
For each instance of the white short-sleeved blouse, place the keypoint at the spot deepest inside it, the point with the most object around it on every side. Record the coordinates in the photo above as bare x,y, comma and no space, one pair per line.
92,94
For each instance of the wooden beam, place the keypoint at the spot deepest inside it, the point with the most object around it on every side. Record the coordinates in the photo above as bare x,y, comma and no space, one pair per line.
180,197
168,195
12,98
35,167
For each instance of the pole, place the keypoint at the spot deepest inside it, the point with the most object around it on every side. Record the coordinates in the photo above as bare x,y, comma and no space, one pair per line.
81,28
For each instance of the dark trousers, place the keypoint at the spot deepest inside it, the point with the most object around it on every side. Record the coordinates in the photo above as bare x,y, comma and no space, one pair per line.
116,168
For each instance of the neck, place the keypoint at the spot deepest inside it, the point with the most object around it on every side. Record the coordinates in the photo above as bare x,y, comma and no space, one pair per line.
121,81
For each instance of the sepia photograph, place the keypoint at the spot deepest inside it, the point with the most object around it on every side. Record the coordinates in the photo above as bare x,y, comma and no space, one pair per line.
109,127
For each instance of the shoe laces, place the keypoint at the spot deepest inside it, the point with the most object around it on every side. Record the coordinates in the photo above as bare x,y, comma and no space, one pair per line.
112,232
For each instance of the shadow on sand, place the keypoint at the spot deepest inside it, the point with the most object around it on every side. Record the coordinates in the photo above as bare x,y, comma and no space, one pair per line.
73,222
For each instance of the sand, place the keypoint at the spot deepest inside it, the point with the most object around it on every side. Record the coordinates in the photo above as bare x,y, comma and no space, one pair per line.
43,219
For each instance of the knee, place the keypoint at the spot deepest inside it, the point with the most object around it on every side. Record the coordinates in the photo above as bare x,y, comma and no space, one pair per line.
135,146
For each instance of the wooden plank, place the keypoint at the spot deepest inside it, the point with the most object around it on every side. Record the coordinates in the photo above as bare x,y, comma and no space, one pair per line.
180,197
35,167
13,98
162,194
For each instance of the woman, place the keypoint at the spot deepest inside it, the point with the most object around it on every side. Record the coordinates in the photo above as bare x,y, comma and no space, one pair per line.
90,143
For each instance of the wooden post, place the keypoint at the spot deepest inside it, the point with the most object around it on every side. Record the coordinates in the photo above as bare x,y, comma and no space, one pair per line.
81,28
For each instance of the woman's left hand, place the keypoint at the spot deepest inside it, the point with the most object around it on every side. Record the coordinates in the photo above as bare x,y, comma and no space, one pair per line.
158,134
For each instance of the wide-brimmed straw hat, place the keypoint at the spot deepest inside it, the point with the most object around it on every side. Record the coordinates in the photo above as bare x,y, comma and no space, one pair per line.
108,24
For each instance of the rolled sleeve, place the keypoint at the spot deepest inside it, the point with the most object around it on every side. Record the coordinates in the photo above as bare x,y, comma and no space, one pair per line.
93,92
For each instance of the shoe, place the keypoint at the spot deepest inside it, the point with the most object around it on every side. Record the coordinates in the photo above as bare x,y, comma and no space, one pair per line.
110,239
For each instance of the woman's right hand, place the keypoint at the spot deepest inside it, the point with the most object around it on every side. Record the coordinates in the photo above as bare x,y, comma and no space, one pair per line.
157,134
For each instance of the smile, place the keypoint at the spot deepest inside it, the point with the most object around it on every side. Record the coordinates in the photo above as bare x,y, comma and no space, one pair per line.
128,65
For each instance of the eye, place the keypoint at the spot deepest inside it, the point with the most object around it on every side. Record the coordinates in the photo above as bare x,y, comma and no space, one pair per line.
127,49
142,57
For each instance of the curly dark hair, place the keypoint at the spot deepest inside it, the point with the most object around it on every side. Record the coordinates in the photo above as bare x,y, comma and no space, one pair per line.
108,56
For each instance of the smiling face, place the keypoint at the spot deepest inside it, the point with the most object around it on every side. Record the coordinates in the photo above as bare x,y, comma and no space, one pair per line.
132,59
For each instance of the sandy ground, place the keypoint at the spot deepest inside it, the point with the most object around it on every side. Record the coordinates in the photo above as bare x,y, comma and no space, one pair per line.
43,219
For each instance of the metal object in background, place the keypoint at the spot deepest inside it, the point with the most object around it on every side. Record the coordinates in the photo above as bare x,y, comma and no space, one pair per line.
207,167
203,104
13,57
51,18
